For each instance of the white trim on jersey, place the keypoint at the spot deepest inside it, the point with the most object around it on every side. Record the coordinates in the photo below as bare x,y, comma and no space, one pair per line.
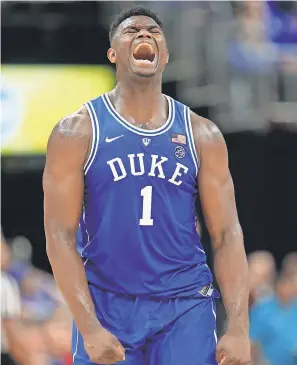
84,219
76,347
93,137
200,249
215,317
10,297
88,242
154,132
95,140
190,137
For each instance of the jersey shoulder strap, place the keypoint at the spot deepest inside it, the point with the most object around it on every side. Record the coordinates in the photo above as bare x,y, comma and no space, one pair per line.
183,124
93,106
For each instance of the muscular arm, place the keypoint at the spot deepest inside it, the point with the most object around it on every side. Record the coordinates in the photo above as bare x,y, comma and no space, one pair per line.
63,185
219,208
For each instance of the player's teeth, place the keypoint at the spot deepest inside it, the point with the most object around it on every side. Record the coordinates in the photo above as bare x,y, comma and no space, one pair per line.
144,44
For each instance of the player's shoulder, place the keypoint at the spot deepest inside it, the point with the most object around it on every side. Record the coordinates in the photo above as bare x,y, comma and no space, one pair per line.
71,136
72,127
208,139
204,129
207,135
198,122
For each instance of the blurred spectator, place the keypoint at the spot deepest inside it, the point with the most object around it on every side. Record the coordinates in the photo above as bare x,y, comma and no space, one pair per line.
251,49
32,331
281,17
5,254
273,328
289,264
39,297
57,336
10,313
262,274
22,249
12,333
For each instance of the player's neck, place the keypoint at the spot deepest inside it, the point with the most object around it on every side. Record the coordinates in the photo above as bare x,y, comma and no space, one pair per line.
139,102
140,88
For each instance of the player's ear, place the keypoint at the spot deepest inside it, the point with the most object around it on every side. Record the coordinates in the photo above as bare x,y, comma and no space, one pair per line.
111,55
167,56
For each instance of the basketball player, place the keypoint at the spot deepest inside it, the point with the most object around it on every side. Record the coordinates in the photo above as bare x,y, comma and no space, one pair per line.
127,167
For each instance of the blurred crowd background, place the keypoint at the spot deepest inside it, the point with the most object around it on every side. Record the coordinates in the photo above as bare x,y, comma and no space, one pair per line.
233,62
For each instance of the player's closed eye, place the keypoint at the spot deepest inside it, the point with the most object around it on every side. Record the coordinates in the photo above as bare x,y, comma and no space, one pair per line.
155,30
131,30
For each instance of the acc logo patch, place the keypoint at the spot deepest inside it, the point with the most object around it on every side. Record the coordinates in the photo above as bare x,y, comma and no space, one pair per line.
146,141
179,152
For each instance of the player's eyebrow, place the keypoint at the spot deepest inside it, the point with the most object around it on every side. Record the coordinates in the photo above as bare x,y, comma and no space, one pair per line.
148,27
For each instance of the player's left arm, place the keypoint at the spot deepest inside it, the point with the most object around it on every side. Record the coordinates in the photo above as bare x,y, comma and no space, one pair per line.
219,208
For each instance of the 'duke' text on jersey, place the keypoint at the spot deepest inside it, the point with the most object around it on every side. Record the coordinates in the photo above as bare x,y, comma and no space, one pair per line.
120,168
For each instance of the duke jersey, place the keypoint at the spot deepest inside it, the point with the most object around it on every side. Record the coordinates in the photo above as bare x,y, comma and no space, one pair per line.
138,223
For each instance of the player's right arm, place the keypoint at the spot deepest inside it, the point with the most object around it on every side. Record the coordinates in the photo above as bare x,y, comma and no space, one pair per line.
63,185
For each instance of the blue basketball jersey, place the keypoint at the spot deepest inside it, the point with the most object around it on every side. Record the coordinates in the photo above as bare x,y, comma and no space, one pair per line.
138,224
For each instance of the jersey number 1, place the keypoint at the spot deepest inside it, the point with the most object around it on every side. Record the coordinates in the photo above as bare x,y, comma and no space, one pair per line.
146,219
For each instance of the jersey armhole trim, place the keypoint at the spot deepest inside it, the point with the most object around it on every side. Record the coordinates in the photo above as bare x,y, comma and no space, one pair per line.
190,137
95,139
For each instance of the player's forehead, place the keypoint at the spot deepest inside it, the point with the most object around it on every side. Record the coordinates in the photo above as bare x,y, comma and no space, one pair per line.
138,21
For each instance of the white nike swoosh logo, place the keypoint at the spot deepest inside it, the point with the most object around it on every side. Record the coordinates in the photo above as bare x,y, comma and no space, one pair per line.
107,140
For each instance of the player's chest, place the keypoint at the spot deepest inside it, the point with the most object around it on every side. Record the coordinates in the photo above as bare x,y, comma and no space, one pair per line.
123,155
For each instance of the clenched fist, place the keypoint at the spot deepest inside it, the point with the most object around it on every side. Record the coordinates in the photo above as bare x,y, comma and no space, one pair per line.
234,349
103,347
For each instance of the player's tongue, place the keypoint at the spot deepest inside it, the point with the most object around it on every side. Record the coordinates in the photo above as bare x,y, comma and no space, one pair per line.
144,51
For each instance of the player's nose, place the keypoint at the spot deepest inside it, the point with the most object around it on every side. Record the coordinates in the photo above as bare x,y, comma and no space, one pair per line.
143,33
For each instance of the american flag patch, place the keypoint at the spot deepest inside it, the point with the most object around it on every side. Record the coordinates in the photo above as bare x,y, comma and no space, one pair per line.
178,138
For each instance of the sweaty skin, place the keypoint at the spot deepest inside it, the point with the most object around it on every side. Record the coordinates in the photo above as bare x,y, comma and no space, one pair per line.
63,184
217,196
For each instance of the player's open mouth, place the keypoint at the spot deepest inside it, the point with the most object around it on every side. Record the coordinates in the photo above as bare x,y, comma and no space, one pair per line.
143,54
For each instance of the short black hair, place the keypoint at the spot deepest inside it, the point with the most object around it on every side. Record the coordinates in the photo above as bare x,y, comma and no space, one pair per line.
127,13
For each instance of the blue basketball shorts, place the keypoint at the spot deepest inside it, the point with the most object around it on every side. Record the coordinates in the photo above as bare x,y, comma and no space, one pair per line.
179,331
